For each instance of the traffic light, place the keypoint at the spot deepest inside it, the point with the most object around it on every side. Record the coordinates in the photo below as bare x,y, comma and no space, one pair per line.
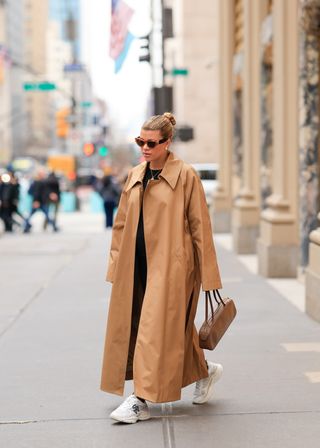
103,151
88,149
62,125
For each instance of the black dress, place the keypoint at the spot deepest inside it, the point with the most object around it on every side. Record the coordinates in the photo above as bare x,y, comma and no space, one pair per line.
140,273
141,256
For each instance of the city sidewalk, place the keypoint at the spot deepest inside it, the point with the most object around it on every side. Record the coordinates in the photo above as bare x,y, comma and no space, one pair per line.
53,308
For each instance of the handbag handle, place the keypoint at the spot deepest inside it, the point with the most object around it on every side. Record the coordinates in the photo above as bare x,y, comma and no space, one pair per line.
219,301
216,291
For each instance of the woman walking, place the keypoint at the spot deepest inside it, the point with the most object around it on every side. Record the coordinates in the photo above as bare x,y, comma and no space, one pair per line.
161,253
109,192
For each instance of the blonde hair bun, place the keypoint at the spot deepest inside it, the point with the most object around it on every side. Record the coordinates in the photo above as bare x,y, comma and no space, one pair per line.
170,117
163,123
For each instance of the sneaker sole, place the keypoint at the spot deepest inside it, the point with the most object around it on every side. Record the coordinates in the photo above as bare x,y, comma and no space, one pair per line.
130,420
216,377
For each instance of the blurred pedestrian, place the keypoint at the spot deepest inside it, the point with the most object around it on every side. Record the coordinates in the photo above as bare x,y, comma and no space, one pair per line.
54,194
161,252
109,191
9,197
40,200
21,222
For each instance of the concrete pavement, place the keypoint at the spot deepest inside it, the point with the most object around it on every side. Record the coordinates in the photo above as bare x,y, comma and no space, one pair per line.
53,307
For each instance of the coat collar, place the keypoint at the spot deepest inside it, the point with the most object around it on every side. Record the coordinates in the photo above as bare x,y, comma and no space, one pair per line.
170,172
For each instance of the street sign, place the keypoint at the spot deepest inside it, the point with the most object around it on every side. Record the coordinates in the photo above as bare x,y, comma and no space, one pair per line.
32,86
86,104
179,72
47,86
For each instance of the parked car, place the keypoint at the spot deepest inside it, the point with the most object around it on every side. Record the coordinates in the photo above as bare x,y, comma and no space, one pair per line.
208,173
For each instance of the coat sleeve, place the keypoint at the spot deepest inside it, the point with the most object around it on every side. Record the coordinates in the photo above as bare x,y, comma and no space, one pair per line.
117,231
201,232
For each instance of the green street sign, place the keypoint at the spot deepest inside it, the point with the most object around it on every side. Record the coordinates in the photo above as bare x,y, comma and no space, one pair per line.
86,104
44,86
30,86
179,72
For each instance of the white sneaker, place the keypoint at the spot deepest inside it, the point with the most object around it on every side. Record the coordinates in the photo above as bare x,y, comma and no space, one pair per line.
204,388
131,410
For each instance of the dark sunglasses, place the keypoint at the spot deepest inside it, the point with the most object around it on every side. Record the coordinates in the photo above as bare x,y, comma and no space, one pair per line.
150,143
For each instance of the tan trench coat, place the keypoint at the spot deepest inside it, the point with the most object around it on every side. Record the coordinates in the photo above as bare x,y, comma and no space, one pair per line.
180,257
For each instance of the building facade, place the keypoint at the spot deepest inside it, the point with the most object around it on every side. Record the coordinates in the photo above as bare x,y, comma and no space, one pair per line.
195,48
268,195
36,24
59,53
40,43
52,41
71,75
67,14
5,97
14,115
15,17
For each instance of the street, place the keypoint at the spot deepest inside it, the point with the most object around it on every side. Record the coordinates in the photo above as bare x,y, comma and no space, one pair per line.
53,309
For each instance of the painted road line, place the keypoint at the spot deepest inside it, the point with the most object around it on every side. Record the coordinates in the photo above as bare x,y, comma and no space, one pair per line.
313,377
302,347
168,426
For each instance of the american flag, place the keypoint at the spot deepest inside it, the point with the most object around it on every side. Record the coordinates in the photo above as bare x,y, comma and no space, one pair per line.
120,38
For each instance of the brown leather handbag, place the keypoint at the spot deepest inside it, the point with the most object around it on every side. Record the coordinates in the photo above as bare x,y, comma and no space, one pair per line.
216,325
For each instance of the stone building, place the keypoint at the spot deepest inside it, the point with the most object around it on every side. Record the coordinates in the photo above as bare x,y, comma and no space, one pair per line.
14,120
195,48
5,97
36,23
19,122
269,190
